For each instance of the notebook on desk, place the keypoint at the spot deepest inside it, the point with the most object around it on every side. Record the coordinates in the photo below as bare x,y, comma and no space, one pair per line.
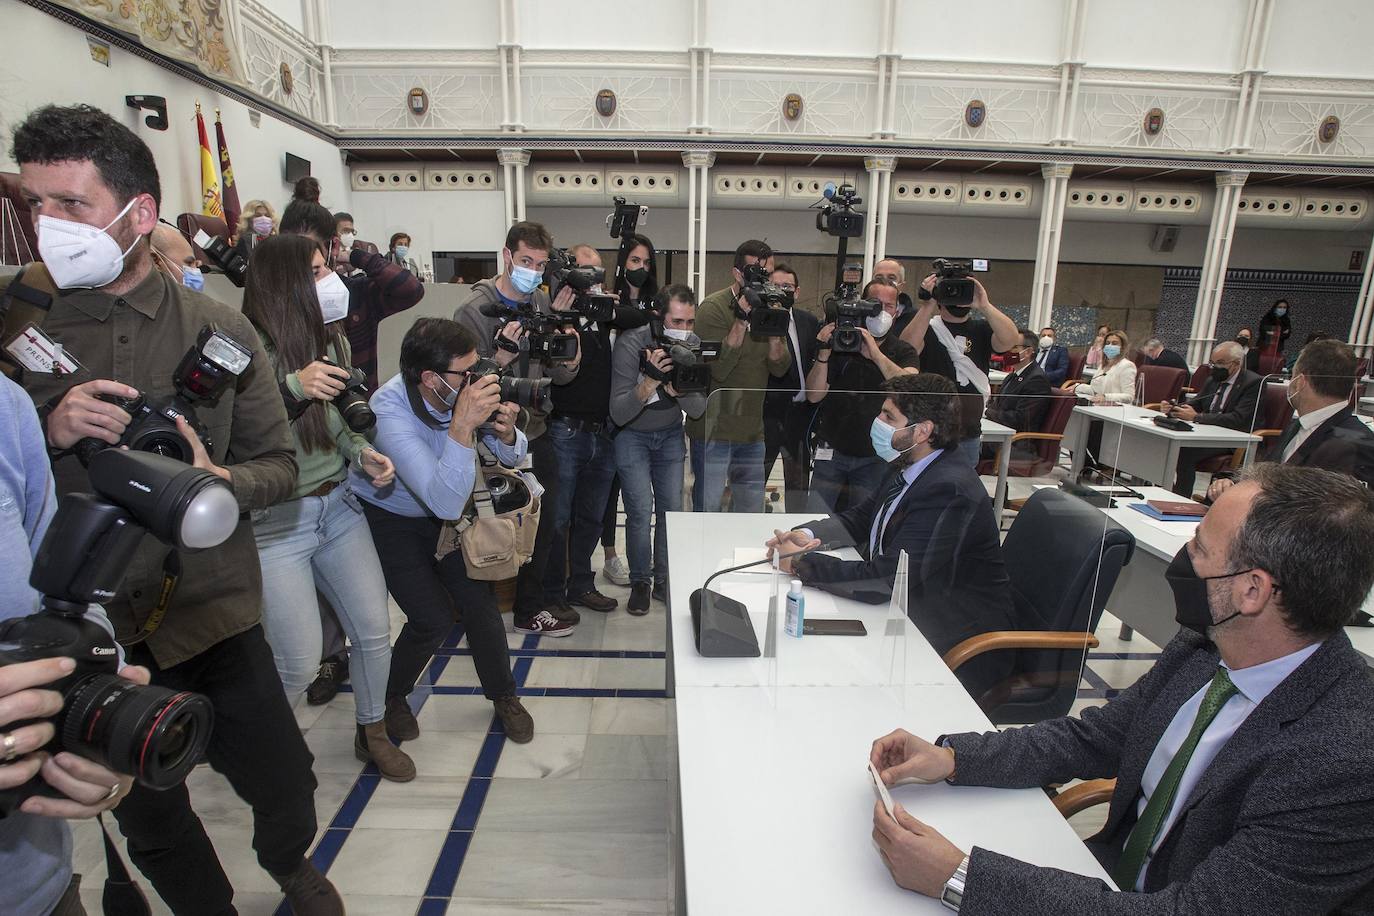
1153,509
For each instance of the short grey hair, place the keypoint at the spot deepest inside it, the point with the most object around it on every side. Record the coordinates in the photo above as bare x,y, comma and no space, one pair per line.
1153,342
1310,529
1230,351
901,271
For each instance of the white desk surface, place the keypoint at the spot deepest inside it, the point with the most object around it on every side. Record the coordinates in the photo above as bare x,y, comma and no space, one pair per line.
996,432
1140,418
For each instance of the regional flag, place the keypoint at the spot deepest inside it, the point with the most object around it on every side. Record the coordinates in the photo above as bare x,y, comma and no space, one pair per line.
210,204
231,191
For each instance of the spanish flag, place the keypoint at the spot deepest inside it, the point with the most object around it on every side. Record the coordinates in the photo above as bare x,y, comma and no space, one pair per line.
210,204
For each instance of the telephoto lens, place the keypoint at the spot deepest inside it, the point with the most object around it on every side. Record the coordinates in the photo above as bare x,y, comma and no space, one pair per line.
526,392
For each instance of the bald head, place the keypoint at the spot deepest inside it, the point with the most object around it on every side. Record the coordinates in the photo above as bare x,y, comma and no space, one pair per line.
171,251
888,269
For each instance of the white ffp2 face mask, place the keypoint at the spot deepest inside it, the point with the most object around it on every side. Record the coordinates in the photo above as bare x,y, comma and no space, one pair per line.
879,324
79,256
333,296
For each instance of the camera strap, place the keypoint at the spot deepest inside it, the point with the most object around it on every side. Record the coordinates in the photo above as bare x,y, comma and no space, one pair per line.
26,301
122,896
171,574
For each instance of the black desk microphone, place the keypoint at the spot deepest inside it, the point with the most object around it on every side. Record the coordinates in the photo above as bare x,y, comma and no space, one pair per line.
721,624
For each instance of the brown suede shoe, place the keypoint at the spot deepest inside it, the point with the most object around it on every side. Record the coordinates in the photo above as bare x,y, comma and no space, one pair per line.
518,723
371,745
400,721
309,893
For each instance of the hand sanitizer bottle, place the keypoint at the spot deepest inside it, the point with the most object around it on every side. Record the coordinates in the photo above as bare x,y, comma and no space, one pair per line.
796,609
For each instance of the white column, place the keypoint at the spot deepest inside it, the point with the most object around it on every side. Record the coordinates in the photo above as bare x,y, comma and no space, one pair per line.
880,170
1362,328
1213,280
1055,195
698,163
513,162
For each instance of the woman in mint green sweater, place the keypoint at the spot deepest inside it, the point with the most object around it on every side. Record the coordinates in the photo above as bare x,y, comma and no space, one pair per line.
318,539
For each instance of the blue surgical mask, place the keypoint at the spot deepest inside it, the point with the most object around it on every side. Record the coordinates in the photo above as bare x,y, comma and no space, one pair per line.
192,278
452,397
402,251
525,279
880,434
1281,311
1111,351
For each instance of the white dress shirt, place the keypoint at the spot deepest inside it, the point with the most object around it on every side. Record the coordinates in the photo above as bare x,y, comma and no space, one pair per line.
880,518
1253,685
1309,423
796,359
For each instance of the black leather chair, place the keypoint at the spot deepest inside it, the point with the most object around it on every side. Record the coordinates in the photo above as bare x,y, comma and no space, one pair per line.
1063,557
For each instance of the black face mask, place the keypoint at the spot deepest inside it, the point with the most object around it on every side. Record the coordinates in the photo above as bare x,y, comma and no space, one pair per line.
637,277
789,299
959,311
1220,374
1191,606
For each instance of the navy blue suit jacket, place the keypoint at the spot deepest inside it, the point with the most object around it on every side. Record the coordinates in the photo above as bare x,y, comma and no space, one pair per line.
1056,364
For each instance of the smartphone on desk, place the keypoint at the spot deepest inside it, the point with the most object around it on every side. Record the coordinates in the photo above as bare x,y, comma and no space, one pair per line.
824,626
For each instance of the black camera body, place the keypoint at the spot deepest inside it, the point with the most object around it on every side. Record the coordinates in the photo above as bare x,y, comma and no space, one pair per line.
532,393
839,217
953,282
588,303
227,259
769,304
352,401
691,372
546,333
849,315
208,367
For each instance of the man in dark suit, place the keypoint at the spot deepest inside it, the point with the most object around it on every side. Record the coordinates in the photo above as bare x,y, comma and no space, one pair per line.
1228,399
1156,354
932,505
1024,396
1325,433
1241,759
1052,358
786,412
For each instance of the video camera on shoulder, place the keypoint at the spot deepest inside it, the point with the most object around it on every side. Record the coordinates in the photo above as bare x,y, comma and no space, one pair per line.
547,336
207,369
590,302
954,281
849,312
768,303
690,371
227,259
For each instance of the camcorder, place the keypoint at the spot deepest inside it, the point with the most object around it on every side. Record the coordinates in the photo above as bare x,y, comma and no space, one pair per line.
547,334
208,367
530,393
590,302
848,311
953,281
690,371
352,401
839,216
229,261
768,314
151,733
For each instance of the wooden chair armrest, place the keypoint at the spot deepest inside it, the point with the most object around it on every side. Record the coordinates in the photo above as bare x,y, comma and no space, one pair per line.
1017,639
1023,437
1084,795
1267,433
1188,391
1154,406
1071,383
1237,459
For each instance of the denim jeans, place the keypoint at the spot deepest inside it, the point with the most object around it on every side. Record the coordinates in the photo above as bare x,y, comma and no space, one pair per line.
716,463
843,481
651,465
586,466
322,542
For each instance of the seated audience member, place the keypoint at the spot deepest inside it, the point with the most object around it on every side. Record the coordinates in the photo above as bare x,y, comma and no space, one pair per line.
1052,357
257,223
847,471
398,253
1114,382
931,505
430,418
1324,433
318,538
1156,354
1241,759
1228,399
1093,358
649,449
1024,397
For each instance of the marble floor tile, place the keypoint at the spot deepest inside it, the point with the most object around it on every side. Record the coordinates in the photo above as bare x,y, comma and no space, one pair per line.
546,757
619,716
1119,672
473,906
631,673
626,757
559,715
445,713
449,756
562,672
583,865
386,862
333,750
459,672
421,804
644,634
575,805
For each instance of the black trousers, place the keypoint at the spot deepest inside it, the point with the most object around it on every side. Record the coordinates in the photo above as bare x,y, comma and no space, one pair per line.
257,746
612,506
785,432
427,593
529,583
1188,460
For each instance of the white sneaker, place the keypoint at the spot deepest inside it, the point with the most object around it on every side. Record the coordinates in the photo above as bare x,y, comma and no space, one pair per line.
616,572
545,624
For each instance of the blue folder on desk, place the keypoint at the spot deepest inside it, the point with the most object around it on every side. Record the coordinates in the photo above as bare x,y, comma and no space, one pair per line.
1152,512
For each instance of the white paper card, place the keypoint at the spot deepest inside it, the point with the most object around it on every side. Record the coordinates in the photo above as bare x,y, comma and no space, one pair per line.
37,352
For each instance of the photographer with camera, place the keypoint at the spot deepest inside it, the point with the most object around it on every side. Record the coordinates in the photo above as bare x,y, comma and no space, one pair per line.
787,414
727,443
649,449
891,270
35,841
318,538
955,342
847,470
431,417
498,308
195,620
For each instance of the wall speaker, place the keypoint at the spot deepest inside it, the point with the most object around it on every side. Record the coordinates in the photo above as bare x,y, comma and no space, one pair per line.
1165,238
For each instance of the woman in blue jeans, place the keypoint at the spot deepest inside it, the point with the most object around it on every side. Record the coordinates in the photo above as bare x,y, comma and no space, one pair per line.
650,452
318,539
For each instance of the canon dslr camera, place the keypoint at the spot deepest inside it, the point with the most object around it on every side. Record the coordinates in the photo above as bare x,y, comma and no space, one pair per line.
352,401
204,372
531,393
151,733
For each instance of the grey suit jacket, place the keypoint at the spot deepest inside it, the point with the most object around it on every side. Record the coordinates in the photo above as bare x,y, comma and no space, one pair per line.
1281,822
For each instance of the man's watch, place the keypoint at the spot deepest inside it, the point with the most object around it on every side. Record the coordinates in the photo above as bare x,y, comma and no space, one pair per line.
953,895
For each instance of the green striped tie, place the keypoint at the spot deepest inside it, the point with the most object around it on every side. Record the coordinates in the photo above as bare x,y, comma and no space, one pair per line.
1146,829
